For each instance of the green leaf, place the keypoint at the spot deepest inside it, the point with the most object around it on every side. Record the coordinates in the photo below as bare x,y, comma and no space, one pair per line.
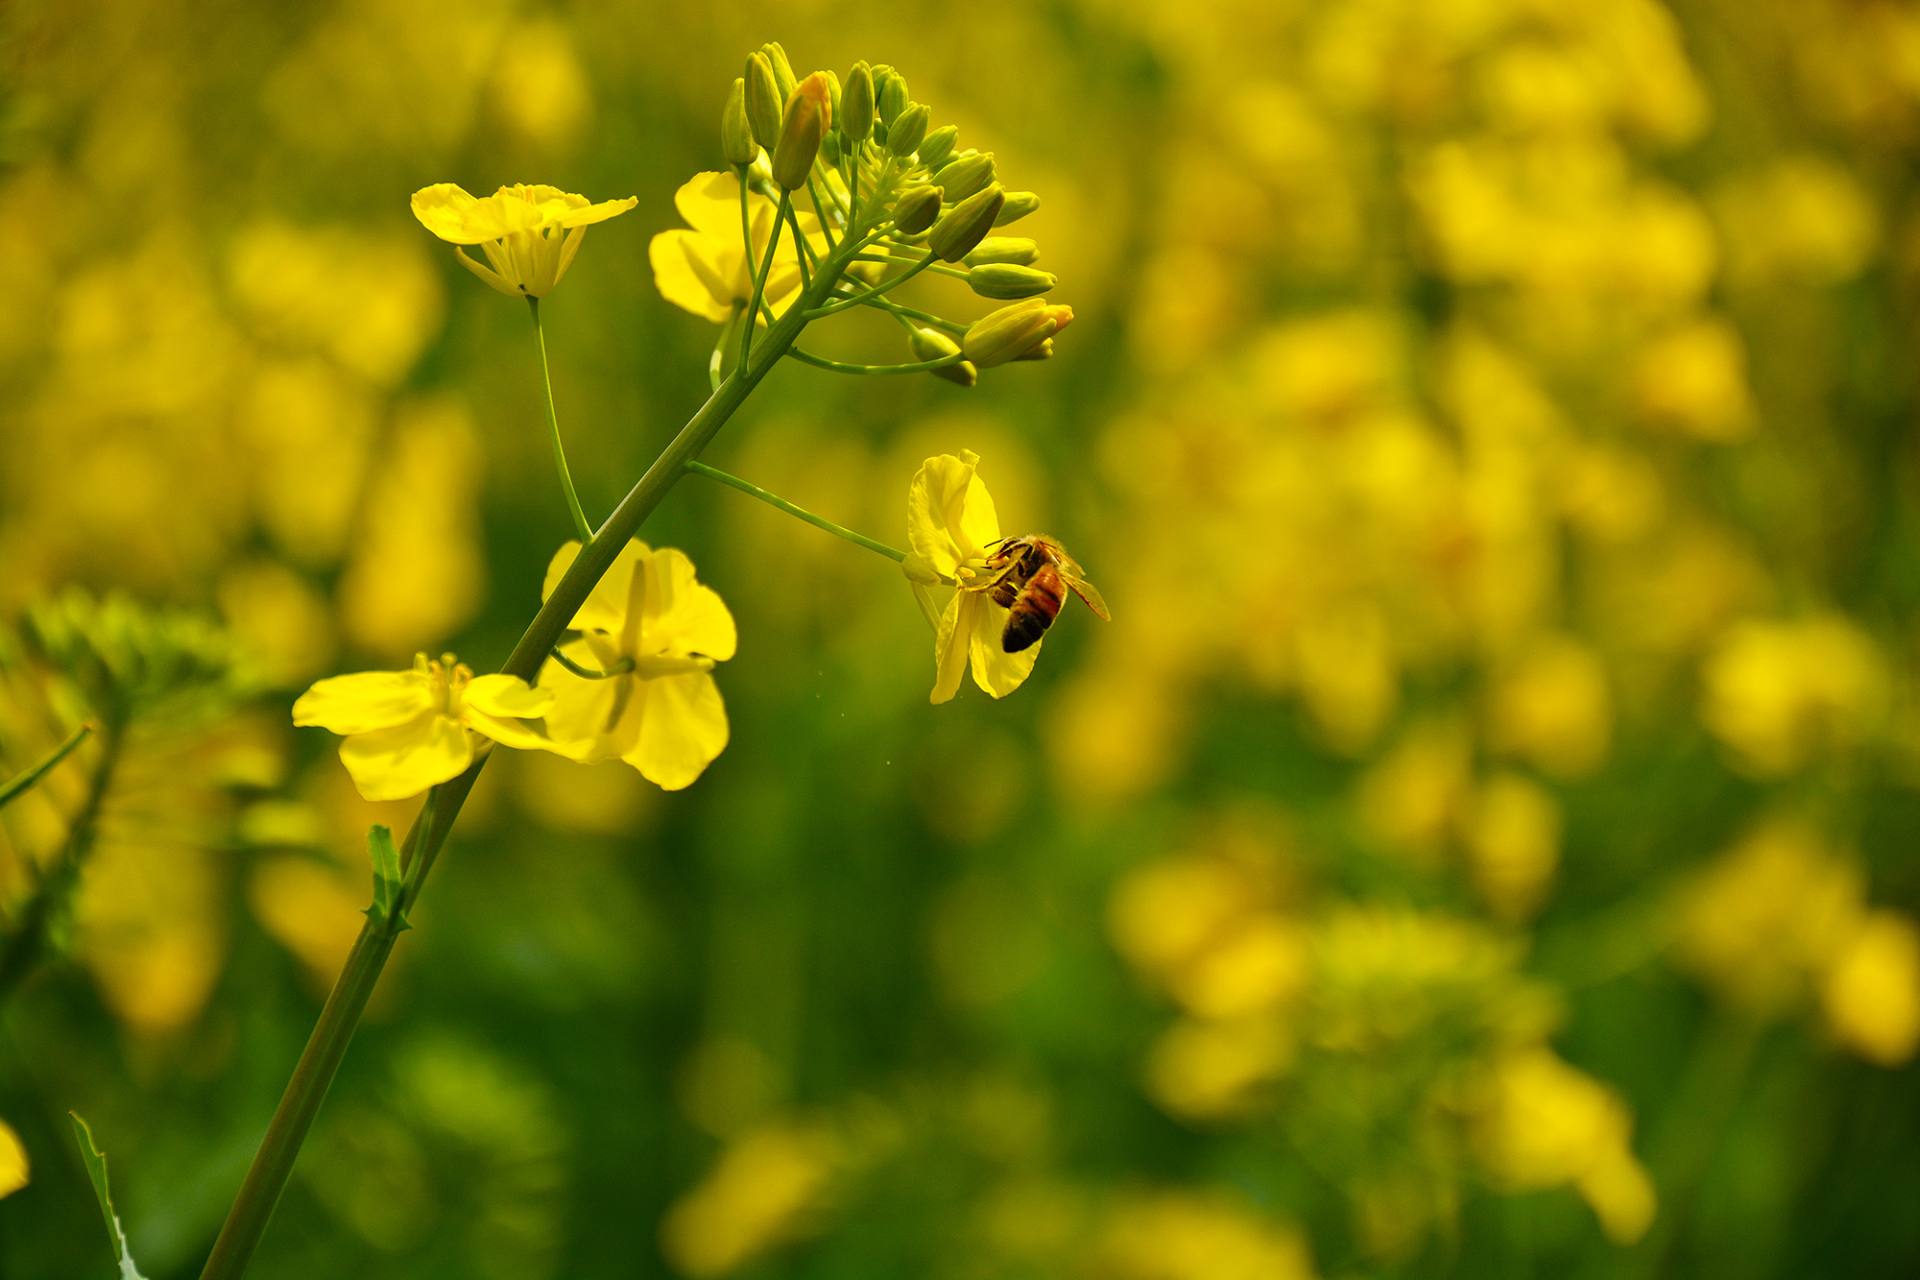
19,784
97,1171
387,882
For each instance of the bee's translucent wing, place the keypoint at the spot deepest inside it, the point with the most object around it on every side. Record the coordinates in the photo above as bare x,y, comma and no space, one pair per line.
1087,592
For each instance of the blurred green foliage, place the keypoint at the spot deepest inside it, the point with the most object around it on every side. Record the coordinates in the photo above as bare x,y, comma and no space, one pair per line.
1482,843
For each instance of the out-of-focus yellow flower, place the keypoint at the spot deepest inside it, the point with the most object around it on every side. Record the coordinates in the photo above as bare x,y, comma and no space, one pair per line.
1187,1235
1694,378
538,88
659,631
13,1161
758,1196
706,270
1544,1124
1513,844
1871,989
1553,707
950,522
406,731
1764,917
530,234
1778,693
416,570
1213,1071
1802,219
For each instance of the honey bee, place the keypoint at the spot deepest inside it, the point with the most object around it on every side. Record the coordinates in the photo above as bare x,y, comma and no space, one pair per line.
1034,574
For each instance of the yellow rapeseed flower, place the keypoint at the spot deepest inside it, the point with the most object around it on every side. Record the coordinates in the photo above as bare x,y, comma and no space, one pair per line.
659,631
950,524
13,1161
406,731
705,270
530,234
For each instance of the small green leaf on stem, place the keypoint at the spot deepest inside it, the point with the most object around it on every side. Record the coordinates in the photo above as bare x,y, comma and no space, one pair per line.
96,1162
387,881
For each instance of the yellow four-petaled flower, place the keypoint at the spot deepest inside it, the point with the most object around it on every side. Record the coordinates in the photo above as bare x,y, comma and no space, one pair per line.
951,524
706,270
657,632
529,234
407,731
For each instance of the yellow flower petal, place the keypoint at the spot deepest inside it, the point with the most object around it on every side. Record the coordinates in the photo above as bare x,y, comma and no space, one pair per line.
488,274
504,695
950,515
683,727
364,701
587,215
403,761
687,274
586,720
950,645
994,669
710,203
605,608
13,1161
497,706
681,615
448,211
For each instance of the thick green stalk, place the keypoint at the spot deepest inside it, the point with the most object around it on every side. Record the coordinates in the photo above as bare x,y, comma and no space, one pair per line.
327,1046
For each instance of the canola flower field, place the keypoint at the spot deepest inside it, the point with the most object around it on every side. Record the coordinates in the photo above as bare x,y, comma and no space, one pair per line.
1469,830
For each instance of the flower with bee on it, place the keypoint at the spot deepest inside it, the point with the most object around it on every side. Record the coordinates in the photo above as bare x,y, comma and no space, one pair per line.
1008,590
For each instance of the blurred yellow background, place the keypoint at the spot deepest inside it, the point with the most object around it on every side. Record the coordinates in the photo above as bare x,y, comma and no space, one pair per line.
1482,843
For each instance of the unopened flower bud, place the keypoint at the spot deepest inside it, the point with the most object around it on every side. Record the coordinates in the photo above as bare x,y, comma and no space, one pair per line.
916,209
856,104
736,131
804,124
1014,249
1010,332
966,224
830,149
763,100
1008,280
1019,205
907,129
938,145
1041,350
962,177
891,96
833,95
783,75
931,344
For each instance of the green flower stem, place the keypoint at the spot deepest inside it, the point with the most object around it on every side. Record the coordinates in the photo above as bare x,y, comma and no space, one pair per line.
924,317
760,276
797,512
837,366
619,668
22,781
580,524
889,256
327,1046
874,291
805,257
820,207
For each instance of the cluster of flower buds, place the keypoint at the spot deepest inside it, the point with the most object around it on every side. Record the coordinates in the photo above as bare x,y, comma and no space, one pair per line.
876,170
